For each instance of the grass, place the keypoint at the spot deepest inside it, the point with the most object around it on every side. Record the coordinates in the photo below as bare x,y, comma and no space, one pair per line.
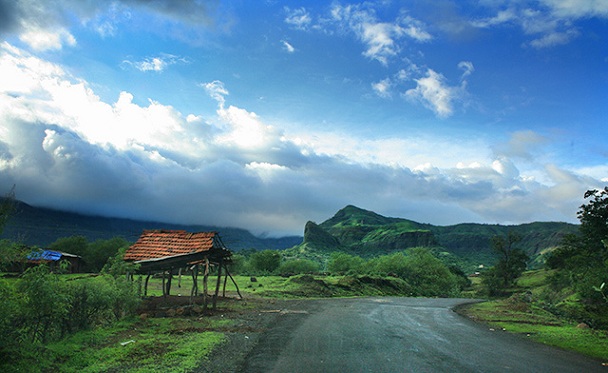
519,314
540,326
135,345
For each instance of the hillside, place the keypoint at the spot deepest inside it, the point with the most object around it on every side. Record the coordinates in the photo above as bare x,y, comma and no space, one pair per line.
366,233
42,226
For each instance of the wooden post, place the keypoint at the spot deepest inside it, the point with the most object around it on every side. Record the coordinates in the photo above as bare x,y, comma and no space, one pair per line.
179,278
218,282
235,284
164,293
169,281
146,284
225,281
205,285
194,270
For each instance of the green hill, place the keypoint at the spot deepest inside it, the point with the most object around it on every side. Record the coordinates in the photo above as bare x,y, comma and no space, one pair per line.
367,234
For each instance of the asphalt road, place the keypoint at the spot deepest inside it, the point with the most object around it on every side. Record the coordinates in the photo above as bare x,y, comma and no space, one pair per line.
398,335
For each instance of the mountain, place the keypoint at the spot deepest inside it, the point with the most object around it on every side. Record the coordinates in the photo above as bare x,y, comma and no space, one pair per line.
42,226
367,234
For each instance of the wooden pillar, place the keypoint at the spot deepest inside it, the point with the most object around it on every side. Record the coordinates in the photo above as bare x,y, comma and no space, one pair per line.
218,282
146,284
225,281
194,290
205,285
234,282
164,288
179,278
169,281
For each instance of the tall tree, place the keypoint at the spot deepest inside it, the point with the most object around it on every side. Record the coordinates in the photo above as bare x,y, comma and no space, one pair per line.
511,263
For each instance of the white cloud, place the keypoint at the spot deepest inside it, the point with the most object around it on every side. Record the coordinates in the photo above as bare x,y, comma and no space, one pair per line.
382,88
288,47
298,18
380,38
466,67
157,64
578,8
550,23
216,90
44,39
433,91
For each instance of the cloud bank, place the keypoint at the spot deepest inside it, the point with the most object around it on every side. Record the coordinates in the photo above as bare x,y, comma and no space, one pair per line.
64,147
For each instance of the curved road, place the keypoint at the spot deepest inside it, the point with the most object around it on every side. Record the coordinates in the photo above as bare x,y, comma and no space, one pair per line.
398,335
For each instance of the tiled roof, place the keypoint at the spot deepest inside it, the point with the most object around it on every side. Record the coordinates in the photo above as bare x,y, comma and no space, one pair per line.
153,244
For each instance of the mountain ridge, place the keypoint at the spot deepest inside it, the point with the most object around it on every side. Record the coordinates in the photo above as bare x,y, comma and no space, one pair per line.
365,233
41,226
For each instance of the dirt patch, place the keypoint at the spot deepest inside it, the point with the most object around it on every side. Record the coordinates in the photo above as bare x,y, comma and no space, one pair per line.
251,317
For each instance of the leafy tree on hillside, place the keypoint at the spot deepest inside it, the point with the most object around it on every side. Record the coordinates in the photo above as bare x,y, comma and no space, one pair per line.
343,263
582,260
511,264
265,261
100,251
95,254
298,266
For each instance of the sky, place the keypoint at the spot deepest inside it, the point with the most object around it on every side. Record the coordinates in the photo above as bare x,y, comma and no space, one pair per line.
264,115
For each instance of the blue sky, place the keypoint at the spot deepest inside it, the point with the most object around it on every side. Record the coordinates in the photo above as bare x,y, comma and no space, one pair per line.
267,114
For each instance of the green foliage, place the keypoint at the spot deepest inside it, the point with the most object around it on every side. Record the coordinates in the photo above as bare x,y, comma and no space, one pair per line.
238,264
343,263
45,304
95,255
298,266
425,273
511,264
99,251
582,260
41,307
265,261
12,255
116,266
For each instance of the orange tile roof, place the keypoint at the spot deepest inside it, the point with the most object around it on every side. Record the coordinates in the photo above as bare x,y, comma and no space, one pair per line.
153,244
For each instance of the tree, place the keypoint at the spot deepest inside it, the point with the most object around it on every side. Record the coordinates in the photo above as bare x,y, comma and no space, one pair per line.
343,263
582,260
298,266
100,251
511,264
265,261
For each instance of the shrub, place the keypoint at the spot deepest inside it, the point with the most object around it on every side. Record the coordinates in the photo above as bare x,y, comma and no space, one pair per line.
265,262
298,266
342,264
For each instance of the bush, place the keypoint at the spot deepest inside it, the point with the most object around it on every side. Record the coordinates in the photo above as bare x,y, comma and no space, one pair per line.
298,266
265,262
42,307
343,264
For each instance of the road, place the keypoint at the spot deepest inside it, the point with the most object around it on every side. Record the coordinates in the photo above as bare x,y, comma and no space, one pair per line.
398,335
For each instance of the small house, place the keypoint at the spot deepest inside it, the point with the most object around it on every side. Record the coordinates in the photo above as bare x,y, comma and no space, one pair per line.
169,251
55,260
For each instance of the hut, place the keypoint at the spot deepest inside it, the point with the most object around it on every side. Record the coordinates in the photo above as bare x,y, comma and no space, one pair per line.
170,251
55,260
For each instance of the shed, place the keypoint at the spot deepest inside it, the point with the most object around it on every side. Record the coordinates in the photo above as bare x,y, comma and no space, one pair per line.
54,258
167,251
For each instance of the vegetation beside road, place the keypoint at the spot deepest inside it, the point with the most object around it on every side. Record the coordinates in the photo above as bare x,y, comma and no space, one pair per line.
526,313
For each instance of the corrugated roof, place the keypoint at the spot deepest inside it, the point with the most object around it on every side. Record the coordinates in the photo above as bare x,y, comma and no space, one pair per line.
49,255
153,244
